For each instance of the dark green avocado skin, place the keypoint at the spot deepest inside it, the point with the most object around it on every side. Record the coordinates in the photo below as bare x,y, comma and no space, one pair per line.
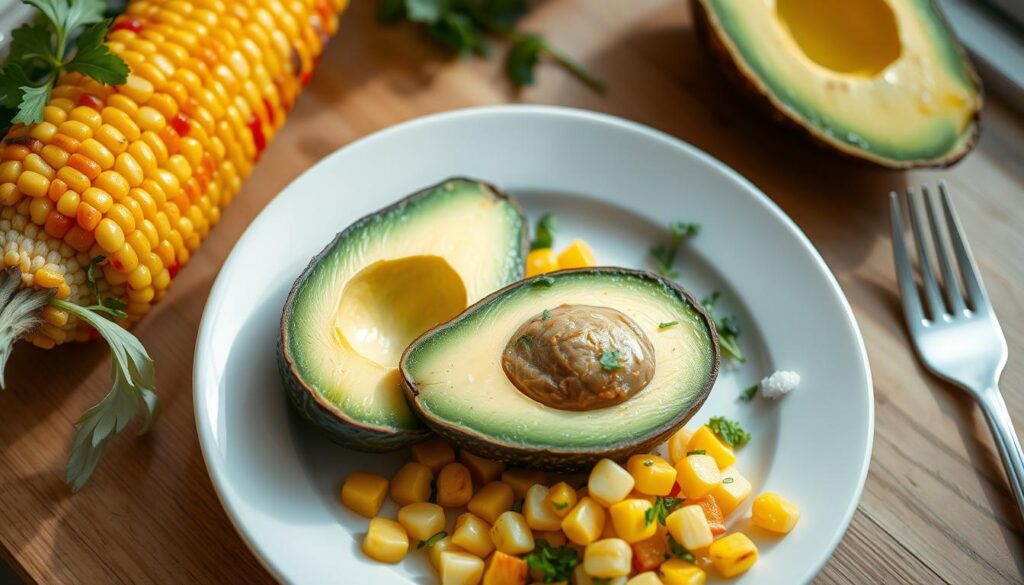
307,402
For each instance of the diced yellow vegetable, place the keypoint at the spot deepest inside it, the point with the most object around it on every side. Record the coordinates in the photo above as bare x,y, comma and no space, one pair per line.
585,522
505,569
732,554
441,546
704,439
483,470
473,534
363,492
731,491
421,520
609,483
611,557
411,484
680,572
454,486
511,534
631,521
520,480
774,512
697,475
539,513
689,526
577,255
491,500
648,578
580,577
435,453
540,261
652,474
677,445
385,541
561,497
555,538
459,568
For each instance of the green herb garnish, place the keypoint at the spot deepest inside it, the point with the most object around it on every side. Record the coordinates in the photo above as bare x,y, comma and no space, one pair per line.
680,551
728,480
112,306
545,315
696,452
42,50
749,393
610,360
431,541
517,506
664,255
728,329
729,431
663,506
545,232
555,563
466,27
560,505
648,463
668,324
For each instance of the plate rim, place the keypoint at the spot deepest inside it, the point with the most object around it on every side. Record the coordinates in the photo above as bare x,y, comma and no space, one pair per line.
218,477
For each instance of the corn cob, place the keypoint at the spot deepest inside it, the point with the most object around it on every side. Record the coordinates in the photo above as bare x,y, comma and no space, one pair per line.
138,174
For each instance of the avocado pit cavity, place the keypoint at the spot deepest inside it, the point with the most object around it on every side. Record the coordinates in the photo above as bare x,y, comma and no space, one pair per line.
579,357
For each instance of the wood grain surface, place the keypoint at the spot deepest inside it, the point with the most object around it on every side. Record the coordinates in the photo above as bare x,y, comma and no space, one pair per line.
936,507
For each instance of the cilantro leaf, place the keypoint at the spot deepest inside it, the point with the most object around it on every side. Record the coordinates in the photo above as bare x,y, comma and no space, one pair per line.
749,394
545,236
501,15
727,327
610,360
664,255
545,315
458,32
12,79
522,59
544,281
94,59
80,13
679,551
33,100
30,42
556,564
428,11
668,324
431,541
729,431
663,506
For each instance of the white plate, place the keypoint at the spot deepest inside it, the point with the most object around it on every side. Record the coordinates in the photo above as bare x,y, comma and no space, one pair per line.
611,182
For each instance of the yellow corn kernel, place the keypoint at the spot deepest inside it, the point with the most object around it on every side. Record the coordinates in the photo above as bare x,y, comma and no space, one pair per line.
411,484
491,501
445,544
680,572
633,520
609,483
98,198
732,554
385,541
577,255
68,203
39,209
33,184
109,235
10,170
697,475
689,526
94,150
555,538
459,568
652,474
504,569
648,578
75,179
611,557
561,497
112,138
769,511
731,491
113,183
704,439
421,520
483,470
54,316
520,480
585,522
580,577
47,278
454,486
511,534
55,156
435,453
540,261
539,513
677,445
473,534
363,493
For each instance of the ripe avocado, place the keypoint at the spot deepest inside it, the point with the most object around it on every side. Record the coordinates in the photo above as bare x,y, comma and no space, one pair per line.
379,284
880,80
560,370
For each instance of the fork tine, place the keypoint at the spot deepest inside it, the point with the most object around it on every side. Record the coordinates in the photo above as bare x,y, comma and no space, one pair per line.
968,268
950,282
904,270
932,296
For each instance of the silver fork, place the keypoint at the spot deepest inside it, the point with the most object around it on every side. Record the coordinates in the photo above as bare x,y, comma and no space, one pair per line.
955,330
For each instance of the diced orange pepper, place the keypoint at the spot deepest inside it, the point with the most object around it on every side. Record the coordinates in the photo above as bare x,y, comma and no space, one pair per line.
649,554
712,511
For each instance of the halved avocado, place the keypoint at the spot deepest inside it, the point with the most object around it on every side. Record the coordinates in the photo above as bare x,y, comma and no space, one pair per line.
384,280
881,80
458,379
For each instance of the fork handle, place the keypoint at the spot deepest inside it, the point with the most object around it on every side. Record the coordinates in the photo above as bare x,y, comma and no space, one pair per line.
1006,440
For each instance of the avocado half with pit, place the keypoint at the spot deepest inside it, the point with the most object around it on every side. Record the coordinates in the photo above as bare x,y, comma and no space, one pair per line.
384,280
561,370
881,80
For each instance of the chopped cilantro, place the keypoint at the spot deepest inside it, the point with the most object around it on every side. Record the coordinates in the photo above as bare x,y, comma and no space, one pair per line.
556,564
545,315
696,452
749,393
663,506
664,255
728,329
545,236
431,541
729,431
560,505
667,324
610,360
680,551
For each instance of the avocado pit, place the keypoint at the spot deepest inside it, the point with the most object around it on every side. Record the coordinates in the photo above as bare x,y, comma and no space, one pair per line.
579,357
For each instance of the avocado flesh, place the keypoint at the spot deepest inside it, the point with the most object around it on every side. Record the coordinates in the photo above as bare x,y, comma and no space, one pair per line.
882,80
456,382
378,285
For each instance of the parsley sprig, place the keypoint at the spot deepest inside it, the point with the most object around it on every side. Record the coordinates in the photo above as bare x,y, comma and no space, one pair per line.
664,255
663,506
556,564
729,431
545,232
42,50
466,27
727,327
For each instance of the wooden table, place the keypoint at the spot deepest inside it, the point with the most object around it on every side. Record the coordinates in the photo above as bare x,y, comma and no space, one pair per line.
935,508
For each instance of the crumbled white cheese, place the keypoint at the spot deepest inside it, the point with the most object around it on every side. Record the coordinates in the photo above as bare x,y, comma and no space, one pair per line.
779,384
